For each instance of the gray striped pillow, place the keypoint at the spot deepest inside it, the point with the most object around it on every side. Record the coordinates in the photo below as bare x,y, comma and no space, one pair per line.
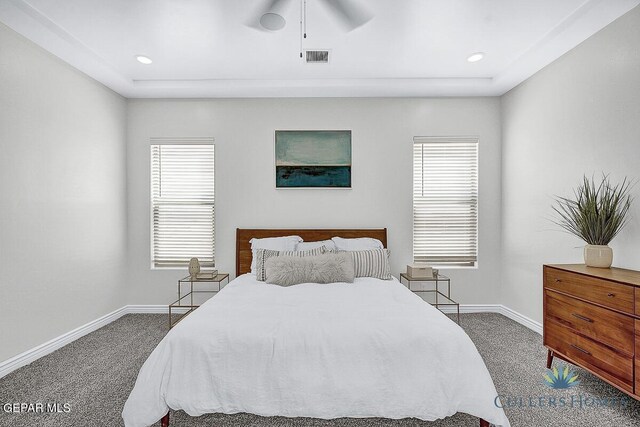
372,263
264,254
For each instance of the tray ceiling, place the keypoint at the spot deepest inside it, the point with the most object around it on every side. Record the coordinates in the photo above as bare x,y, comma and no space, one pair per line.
204,48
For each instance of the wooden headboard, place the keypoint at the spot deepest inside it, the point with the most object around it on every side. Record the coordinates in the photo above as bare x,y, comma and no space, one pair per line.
244,235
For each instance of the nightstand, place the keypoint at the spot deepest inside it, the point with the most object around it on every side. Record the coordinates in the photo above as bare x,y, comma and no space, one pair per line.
438,299
186,301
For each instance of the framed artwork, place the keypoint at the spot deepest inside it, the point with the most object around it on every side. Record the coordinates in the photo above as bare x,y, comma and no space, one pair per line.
313,159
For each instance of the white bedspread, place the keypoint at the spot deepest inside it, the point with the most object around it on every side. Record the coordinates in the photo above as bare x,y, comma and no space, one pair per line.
366,349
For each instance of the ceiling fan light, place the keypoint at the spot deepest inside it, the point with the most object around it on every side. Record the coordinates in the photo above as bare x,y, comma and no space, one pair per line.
272,21
475,57
144,59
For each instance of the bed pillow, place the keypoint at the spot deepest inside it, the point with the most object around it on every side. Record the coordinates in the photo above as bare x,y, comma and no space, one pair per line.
262,255
357,244
305,246
371,263
325,268
286,243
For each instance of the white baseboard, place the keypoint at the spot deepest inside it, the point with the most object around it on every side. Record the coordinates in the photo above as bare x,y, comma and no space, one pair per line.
497,308
153,309
473,308
521,318
35,353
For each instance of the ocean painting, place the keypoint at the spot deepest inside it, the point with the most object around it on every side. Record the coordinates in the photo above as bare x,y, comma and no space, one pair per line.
313,159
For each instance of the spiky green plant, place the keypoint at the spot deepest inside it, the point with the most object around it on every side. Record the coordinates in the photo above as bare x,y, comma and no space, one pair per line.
565,378
598,212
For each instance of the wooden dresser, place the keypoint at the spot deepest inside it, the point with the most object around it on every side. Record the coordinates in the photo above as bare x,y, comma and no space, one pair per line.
592,319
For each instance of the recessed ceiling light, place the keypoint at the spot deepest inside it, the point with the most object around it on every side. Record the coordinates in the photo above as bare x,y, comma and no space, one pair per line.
144,59
475,57
272,21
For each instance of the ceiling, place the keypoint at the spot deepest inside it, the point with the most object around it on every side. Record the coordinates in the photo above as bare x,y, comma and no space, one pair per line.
204,48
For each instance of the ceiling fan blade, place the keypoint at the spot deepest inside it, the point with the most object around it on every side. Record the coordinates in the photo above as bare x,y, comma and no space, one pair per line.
277,7
349,13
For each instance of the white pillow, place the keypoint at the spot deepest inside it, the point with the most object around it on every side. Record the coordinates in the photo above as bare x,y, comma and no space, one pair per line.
287,243
358,244
305,246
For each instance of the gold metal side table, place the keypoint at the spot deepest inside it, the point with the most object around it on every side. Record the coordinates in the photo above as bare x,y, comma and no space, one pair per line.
186,301
437,295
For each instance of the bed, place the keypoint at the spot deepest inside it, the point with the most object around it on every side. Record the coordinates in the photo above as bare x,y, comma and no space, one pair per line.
365,349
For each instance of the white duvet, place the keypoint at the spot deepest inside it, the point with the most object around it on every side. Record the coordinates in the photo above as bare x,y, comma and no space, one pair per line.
366,349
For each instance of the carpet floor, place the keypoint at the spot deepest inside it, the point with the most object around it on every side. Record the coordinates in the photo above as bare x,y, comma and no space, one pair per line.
95,374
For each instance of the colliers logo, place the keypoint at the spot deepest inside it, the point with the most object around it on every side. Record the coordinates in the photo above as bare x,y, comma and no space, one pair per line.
562,379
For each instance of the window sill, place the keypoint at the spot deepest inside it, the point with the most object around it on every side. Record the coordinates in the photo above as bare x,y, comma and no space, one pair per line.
454,267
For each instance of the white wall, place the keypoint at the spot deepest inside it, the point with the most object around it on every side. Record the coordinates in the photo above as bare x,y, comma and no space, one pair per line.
383,131
62,197
579,115
74,177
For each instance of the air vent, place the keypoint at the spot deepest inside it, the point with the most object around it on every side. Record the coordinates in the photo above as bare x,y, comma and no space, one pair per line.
317,56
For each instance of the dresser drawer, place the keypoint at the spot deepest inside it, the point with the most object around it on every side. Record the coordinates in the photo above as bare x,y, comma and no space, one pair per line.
595,357
603,325
637,357
637,377
638,302
609,294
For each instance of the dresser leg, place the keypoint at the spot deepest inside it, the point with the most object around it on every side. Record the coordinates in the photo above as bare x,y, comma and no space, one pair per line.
549,358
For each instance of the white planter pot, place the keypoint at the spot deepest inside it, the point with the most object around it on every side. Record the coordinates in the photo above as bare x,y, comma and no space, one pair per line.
600,256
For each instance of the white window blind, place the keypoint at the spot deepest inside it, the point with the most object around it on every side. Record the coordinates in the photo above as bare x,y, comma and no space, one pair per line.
445,200
182,201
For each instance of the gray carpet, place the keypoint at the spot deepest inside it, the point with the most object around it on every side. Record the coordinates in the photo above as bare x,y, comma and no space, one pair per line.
96,373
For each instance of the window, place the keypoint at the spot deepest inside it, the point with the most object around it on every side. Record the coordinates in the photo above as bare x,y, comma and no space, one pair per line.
445,200
182,202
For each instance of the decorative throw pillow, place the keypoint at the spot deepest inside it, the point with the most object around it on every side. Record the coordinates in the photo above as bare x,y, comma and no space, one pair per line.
286,243
263,254
325,268
372,263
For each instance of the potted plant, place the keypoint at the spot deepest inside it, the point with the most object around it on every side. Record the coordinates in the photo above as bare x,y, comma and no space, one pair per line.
597,215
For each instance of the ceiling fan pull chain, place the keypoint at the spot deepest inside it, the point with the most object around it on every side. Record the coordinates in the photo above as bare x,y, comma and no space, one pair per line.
301,27
305,19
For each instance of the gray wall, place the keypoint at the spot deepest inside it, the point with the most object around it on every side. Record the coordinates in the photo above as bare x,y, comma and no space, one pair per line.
579,115
62,197
383,131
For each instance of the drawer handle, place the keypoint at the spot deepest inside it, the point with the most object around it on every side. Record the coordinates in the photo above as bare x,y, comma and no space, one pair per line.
558,280
580,349
586,319
611,295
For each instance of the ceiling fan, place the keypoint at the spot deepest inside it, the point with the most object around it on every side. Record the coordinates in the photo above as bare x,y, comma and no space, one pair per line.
348,12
